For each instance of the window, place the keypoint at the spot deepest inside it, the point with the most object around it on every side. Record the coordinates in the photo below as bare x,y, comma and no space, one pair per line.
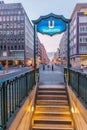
83,29
4,47
7,32
14,18
22,39
3,18
0,40
15,32
22,17
11,25
15,47
0,26
22,25
7,26
11,18
19,47
83,19
11,32
7,18
4,25
1,47
11,47
83,39
0,32
80,39
83,49
0,18
18,25
19,12
11,40
14,25
18,40
22,31
22,47
18,18
18,32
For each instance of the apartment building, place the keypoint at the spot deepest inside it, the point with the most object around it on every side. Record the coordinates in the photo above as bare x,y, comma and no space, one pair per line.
16,35
78,37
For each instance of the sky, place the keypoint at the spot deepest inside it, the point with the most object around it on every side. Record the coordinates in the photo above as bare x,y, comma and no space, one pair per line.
37,8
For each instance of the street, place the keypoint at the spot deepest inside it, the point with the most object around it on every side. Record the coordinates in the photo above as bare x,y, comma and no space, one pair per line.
4,74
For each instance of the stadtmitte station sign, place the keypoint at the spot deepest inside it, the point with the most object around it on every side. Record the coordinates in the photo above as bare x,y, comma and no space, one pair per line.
51,24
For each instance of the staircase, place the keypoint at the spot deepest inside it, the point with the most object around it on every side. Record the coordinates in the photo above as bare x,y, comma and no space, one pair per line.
52,110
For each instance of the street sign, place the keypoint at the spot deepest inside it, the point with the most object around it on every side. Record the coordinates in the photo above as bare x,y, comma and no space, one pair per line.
51,26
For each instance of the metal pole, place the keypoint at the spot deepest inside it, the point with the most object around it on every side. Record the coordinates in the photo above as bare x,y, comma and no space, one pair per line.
34,47
68,47
68,53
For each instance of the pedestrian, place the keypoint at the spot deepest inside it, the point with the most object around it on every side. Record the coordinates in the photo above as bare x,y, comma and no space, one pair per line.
52,67
43,67
48,67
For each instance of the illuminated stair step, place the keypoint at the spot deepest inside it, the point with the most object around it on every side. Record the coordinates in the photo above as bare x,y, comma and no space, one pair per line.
51,127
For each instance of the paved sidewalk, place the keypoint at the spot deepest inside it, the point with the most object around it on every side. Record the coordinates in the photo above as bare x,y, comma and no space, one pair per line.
52,77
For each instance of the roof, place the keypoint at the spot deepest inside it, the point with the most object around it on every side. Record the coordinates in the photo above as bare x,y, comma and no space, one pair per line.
78,7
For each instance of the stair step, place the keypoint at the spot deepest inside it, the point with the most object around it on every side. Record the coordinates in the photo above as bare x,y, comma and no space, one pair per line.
52,102
52,97
52,107
52,119
52,110
55,113
53,89
51,127
48,92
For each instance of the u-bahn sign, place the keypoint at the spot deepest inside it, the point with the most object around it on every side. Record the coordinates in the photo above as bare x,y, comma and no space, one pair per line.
51,24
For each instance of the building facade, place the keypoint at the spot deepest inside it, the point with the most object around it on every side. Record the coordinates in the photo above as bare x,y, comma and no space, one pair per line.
16,35
57,57
63,48
44,56
38,51
78,36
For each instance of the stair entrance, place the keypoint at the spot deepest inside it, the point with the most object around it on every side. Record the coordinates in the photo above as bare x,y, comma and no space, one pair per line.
52,111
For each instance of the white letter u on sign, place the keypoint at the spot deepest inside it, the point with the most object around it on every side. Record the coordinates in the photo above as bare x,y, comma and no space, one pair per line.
51,24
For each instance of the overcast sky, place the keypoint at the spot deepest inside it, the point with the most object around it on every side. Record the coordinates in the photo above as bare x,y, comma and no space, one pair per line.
36,8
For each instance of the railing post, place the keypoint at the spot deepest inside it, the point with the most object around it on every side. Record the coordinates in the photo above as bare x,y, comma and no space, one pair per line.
26,84
78,83
3,107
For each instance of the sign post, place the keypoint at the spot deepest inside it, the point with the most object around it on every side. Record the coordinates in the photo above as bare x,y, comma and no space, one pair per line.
52,24
35,47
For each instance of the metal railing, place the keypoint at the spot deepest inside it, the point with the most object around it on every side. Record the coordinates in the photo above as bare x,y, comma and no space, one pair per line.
13,91
78,83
